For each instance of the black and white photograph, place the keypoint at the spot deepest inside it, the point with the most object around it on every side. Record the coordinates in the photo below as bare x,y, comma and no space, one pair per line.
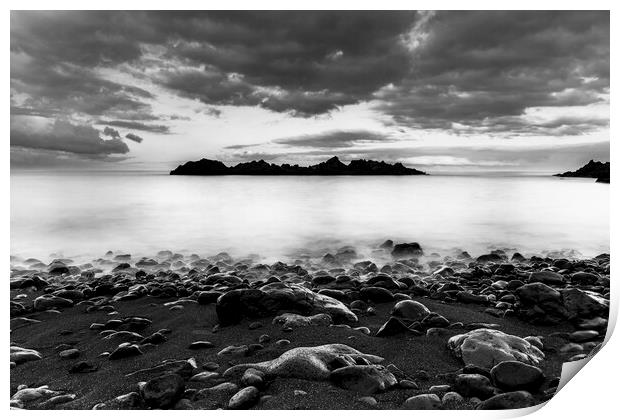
306,209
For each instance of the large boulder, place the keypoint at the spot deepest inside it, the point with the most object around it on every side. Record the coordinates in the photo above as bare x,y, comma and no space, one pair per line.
237,304
367,379
486,348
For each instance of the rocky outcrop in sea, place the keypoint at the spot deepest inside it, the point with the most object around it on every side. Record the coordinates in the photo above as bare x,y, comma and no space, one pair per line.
332,166
592,169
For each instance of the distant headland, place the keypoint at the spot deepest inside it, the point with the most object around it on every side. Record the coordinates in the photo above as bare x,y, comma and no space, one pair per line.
592,169
332,166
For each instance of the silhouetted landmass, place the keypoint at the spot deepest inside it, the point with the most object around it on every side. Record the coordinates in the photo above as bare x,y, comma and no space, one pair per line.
332,166
592,169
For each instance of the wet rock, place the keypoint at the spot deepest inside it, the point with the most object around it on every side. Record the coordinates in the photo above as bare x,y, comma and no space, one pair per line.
486,348
514,376
367,379
582,336
584,278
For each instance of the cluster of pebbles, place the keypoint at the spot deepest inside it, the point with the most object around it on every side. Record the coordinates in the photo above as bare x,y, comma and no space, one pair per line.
337,291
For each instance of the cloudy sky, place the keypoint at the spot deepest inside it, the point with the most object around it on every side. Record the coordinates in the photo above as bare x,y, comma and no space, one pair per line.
439,91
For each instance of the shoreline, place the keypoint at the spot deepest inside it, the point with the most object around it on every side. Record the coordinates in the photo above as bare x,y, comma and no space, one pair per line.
81,330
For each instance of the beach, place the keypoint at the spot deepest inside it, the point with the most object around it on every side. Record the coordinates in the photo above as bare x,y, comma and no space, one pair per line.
402,328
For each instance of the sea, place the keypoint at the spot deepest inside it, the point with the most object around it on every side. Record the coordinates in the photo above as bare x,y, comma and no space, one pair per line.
82,215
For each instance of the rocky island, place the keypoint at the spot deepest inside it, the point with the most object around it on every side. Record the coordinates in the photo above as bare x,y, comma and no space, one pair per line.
403,328
332,166
592,169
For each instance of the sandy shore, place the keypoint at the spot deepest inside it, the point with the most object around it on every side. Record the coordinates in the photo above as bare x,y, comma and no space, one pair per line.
60,306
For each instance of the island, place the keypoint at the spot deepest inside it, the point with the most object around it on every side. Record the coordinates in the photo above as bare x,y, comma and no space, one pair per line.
592,169
332,166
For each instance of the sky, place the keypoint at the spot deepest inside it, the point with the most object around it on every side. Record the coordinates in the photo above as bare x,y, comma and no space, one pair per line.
445,92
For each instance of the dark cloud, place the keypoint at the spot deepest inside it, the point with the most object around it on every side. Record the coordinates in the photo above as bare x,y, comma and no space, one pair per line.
464,72
136,125
65,137
334,139
475,67
134,137
111,133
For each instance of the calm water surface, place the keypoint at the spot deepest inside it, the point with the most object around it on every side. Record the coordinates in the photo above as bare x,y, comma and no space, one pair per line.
87,214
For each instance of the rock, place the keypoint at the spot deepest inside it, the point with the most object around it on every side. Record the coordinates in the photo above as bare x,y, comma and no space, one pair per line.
45,302
163,391
407,250
204,377
253,377
410,310
123,352
367,379
82,367
584,278
423,402
295,321
255,325
486,348
407,384
547,277
452,399
393,326
33,394
582,336
234,305
473,385
515,376
584,304
197,345
245,398
236,351
311,363
376,294
122,402
369,401
508,400
468,297
69,354
22,355
434,320
226,388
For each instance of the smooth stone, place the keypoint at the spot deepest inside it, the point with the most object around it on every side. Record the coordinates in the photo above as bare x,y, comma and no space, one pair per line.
245,398
515,376
452,398
582,336
508,400
197,345
547,277
486,348
410,310
367,379
473,385
69,354
163,391
423,402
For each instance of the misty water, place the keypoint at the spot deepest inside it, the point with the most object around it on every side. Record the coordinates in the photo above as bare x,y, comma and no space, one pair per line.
84,215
